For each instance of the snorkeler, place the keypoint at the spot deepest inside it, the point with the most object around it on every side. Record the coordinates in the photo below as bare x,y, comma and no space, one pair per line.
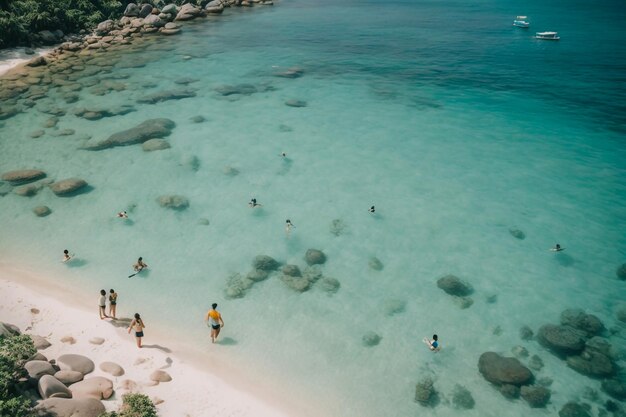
288,227
122,215
557,248
372,209
283,154
254,204
434,344
66,256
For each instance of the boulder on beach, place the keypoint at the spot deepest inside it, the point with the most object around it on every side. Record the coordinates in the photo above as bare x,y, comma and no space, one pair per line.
37,62
169,9
572,409
22,176
265,263
370,339
160,376
63,407
96,340
500,370
562,340
535,396
243,89
74,362
155,145
97,387
112,368
425,393
454,286
68,187
187,12
214,7
580,320
154,20
174,202
68,377
105,27
149,129
8,330
314,257
132,10
145,10
37,369
165,96
40,342
50,387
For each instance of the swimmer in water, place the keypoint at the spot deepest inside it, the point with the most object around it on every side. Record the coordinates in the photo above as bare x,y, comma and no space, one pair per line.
557,248
140,265
434,344
288,227
372,209
66,255
254,204
283,154
122,215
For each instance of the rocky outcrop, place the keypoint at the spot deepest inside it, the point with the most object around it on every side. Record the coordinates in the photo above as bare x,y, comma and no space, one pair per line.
61,407
74,362
68,187
98,388
562,340
187,12
37,62
23,176
112,368
37,369
314,257
8,330
50,387
40,342
155,145
105,27
149,129
174,202
535,396
68,377
214,7
160,376
132,10
454,286
500,370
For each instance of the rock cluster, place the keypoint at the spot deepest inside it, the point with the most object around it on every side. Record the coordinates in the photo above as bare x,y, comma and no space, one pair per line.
149,129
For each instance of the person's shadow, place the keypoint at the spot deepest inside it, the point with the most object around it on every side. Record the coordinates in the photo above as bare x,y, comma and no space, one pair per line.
159,347
564,259
76,263
227,341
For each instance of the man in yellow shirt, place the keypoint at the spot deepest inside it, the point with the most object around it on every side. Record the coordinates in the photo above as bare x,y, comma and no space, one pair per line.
215,321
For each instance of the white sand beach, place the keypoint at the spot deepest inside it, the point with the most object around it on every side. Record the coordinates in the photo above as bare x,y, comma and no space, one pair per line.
69,327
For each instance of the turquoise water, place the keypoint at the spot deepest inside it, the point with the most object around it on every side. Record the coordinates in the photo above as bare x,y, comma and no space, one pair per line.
457,126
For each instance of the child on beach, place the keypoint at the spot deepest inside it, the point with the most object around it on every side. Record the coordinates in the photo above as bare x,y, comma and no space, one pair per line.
138,326
214,319
102,304
139,265
112,303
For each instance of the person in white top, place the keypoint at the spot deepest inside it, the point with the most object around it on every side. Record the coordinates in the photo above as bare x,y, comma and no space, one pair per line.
103,304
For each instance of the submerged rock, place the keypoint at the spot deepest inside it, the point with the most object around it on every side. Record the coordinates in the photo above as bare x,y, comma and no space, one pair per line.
463,302
296,103
370,339
509,391
296,283
243,89
236,286
562,340
42,211
375,264
5,188
155,145
615,388
425,393
591,363
578,319
329,284
535,363
572,409
526,333
621,272
23,176
293,72
454,286
314,256
462,398
517,234
337,226
394,306
197,119
292,271
174,202
257,275
149,129
500,370
68,186
166,95
535,396
265,263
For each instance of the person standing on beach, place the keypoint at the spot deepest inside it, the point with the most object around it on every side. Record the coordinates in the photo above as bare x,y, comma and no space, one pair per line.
103,304
138,326
214,319
139,265
112,303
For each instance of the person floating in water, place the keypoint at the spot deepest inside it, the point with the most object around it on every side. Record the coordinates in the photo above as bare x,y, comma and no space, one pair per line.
557,248
283,154
254,204
372,209
66,255
122,215
288,227
214,319
102,304
434,344
140,265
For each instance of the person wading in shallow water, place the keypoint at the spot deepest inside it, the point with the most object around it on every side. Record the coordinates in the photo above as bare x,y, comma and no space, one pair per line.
138,326
214,319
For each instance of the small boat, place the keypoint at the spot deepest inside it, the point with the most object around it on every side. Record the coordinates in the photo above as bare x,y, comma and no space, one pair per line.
548,36
520,22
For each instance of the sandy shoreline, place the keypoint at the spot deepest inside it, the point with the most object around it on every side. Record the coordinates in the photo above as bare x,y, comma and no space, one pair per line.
12,57
193,391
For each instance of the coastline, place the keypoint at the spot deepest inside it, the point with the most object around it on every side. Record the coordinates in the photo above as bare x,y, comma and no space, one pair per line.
13,57
202,385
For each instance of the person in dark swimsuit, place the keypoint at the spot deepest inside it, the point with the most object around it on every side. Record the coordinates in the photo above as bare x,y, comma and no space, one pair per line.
372,209
138,326
254,204
112,302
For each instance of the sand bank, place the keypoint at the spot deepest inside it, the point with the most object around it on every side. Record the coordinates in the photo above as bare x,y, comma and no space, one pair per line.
191,392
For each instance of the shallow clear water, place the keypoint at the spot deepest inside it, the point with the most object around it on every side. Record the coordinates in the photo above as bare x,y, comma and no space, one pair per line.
457,126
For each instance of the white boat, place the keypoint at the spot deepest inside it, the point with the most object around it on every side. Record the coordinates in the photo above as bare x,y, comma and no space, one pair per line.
548,36
520,22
